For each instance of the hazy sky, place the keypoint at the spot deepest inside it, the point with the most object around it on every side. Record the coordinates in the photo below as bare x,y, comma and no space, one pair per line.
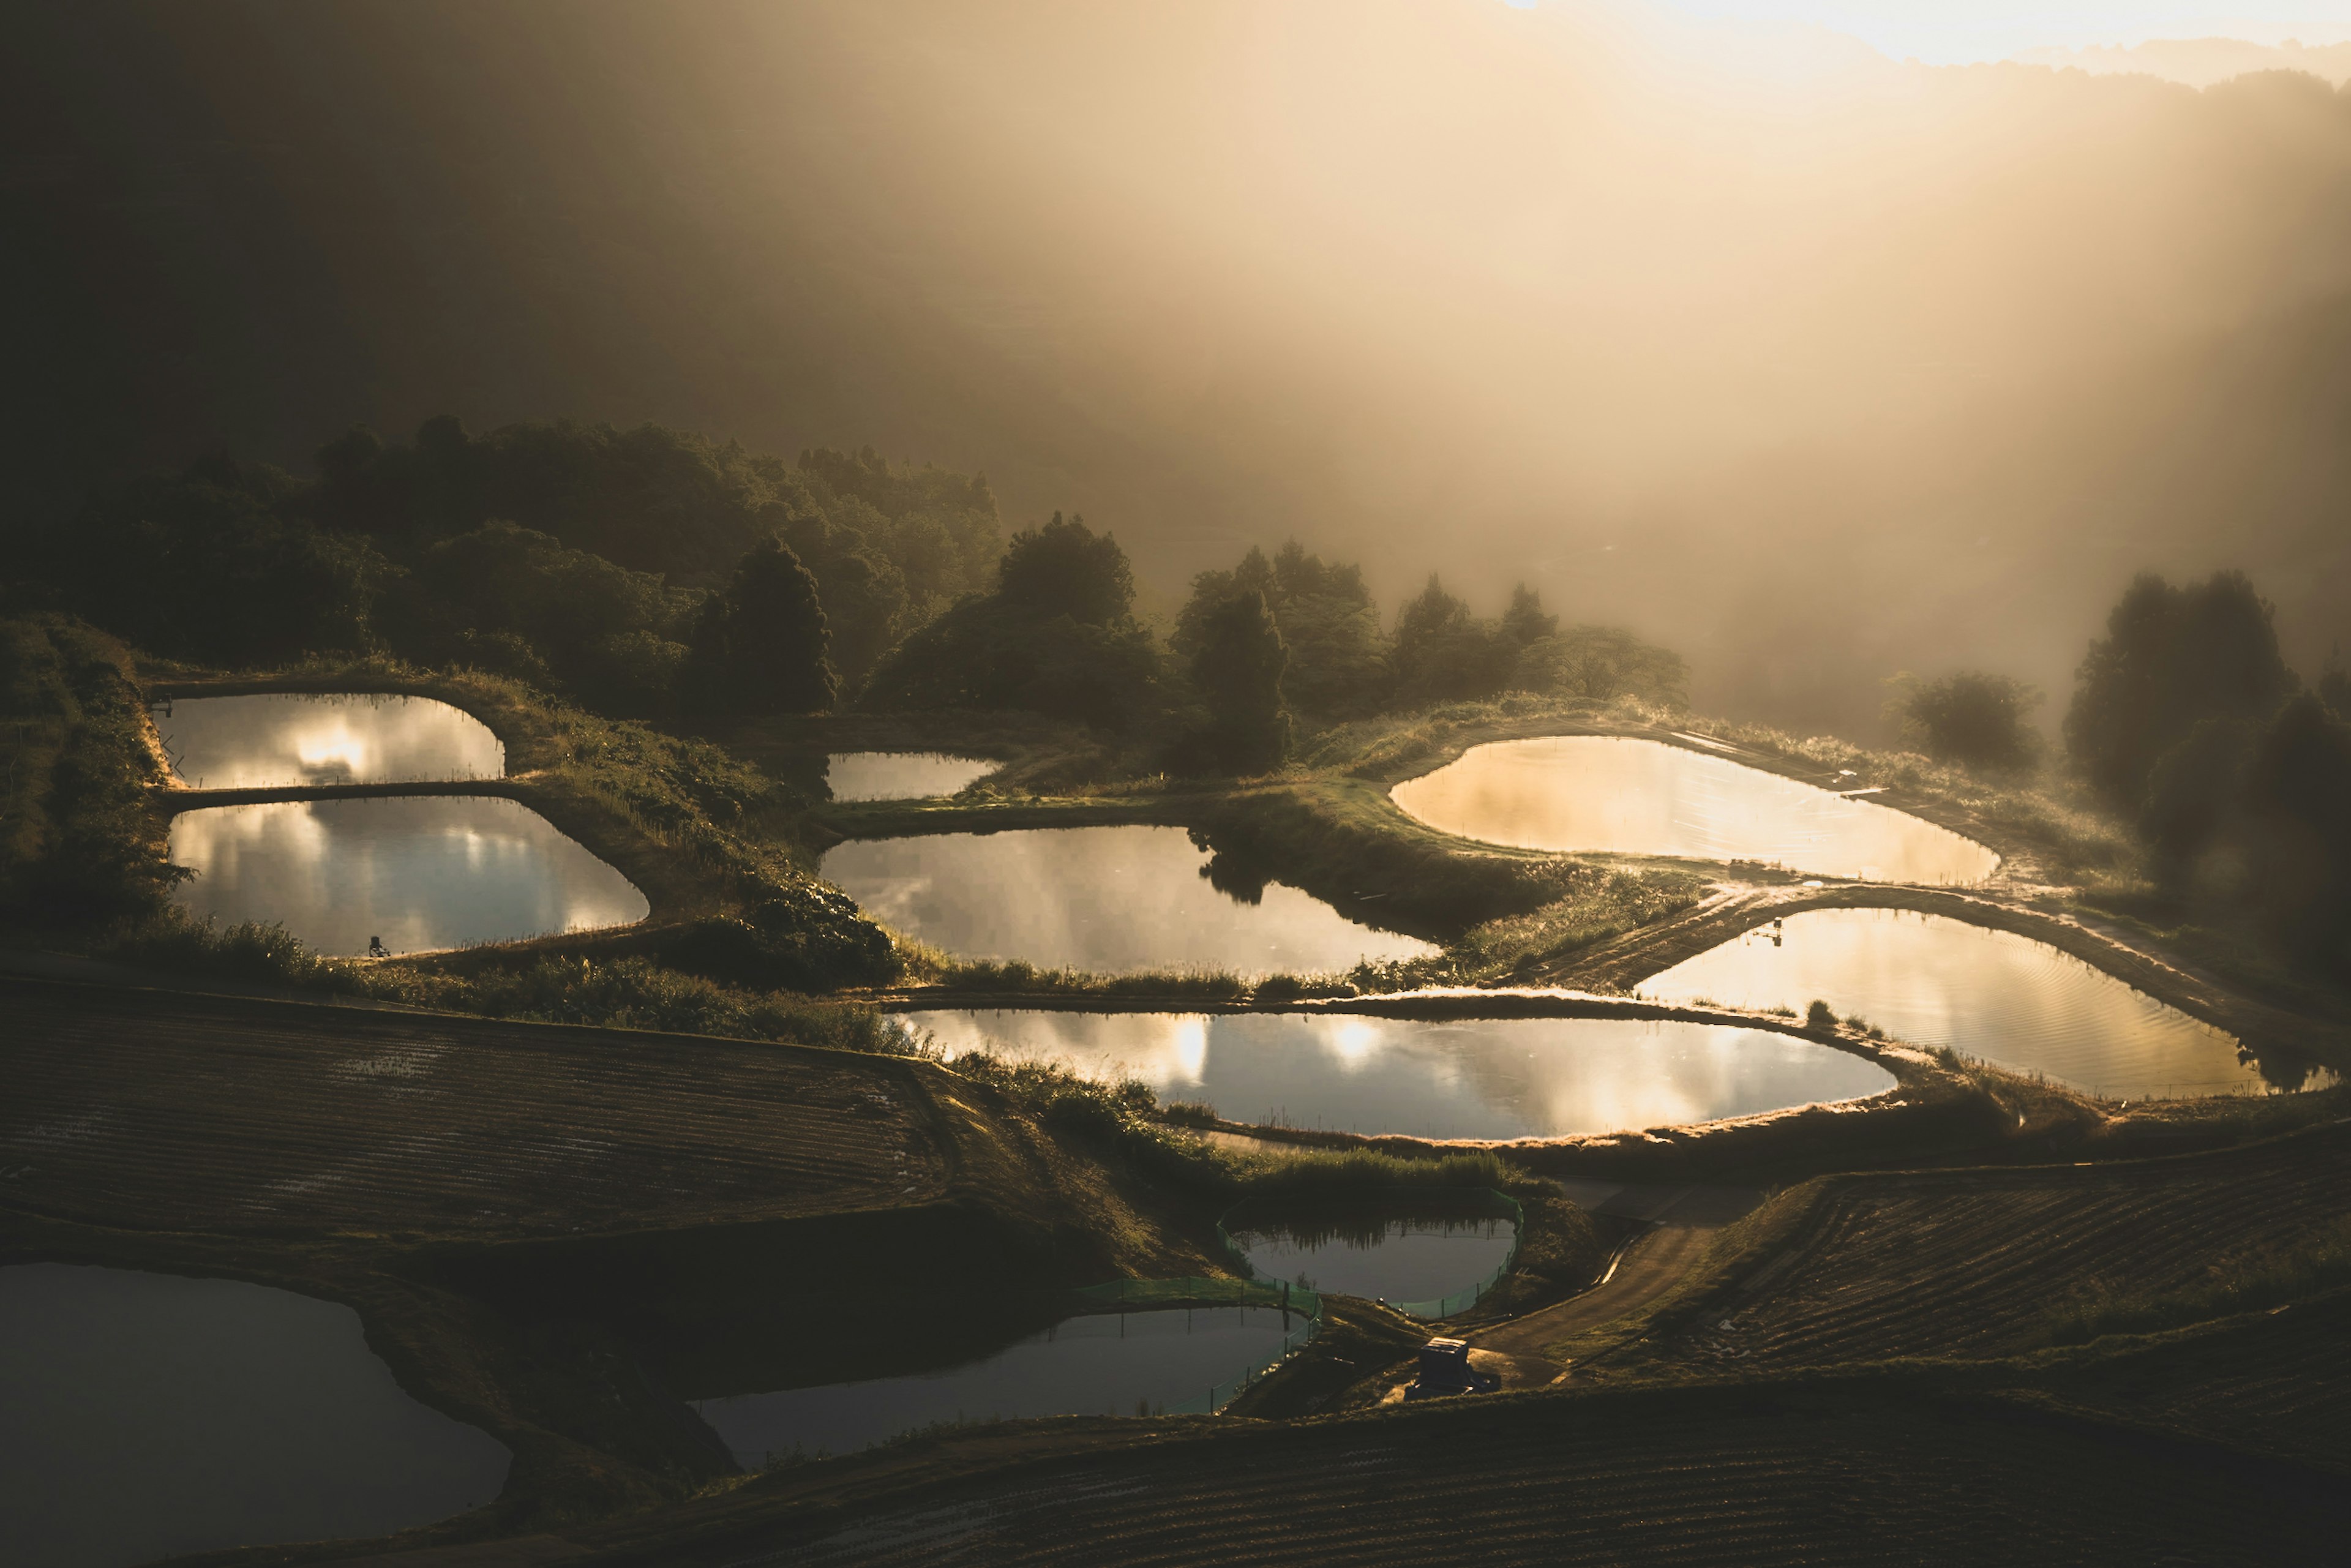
1956,32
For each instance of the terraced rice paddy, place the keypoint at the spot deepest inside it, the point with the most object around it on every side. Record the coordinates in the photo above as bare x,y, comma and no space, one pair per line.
1474,1078
1769,1475
151,1416
279,738
1119,1364
1621,794
900,775
1392,1260
421,874
189,1113
1105,900
1973,1262
2007,998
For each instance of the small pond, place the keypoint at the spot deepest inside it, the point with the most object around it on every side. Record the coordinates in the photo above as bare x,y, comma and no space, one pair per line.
1102,899
2004,997
148,1416
1477,1078
422,873
900,775
1398,1260
1117,1364
284,738
1621,794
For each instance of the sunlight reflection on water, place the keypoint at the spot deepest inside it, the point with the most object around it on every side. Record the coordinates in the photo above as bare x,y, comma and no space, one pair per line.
424,873
1626,796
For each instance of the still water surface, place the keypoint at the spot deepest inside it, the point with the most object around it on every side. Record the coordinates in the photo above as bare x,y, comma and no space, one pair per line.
146,1416
1937,981
1110,1364
1404,1260
424,873
283,738
900,775
1479,1078
1100,899
1626,796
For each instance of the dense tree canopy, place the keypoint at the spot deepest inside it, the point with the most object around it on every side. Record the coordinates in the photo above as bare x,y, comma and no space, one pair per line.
1339,665
1975,719
1058,637
2171,657
1238,670
214,565
762,645
1067,569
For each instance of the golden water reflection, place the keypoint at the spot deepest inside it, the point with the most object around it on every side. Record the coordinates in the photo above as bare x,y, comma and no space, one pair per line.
900,775
1102,899
421,874
284,738
1481,1078
1937,981
1626,796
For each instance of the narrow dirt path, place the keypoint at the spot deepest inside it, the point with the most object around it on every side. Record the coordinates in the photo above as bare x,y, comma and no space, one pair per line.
1682,1223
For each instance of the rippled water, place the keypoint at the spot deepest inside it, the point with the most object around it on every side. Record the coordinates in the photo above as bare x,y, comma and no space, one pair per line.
1110,1364
900,775
424,873
1483,1078
144,1416
281,739
1627,796
1401,1260
2007,998
1100,899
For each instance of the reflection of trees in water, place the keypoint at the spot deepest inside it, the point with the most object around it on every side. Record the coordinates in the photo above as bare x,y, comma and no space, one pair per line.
2283,1069
1371,1226
1232,870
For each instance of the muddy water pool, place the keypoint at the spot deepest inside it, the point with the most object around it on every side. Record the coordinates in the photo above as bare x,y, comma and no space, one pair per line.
1622,795
1101,899
1936,981
900,775
148,1416
1120,1364
422,873
277,738
1480,1078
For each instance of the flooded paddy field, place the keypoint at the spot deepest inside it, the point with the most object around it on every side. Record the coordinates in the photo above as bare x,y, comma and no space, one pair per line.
150,1416
1934,981
1102,899
900,775
286,738
1479,1078
1111,1364
421,873
1379,1257
1622,794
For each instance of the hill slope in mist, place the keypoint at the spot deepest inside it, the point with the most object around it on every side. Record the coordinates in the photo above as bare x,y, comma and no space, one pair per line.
1809,364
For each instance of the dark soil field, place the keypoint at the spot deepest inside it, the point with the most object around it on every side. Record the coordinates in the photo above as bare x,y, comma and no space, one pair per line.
1979,1262
168,1112
1730,1475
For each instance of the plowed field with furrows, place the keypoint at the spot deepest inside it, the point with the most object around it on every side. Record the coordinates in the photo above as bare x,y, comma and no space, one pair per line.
2278,1381
1816,1480
159,1111
1970,1262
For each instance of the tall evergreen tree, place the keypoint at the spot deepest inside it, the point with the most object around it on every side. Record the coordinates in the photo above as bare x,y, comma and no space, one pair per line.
1238,668
2171,657
762,645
